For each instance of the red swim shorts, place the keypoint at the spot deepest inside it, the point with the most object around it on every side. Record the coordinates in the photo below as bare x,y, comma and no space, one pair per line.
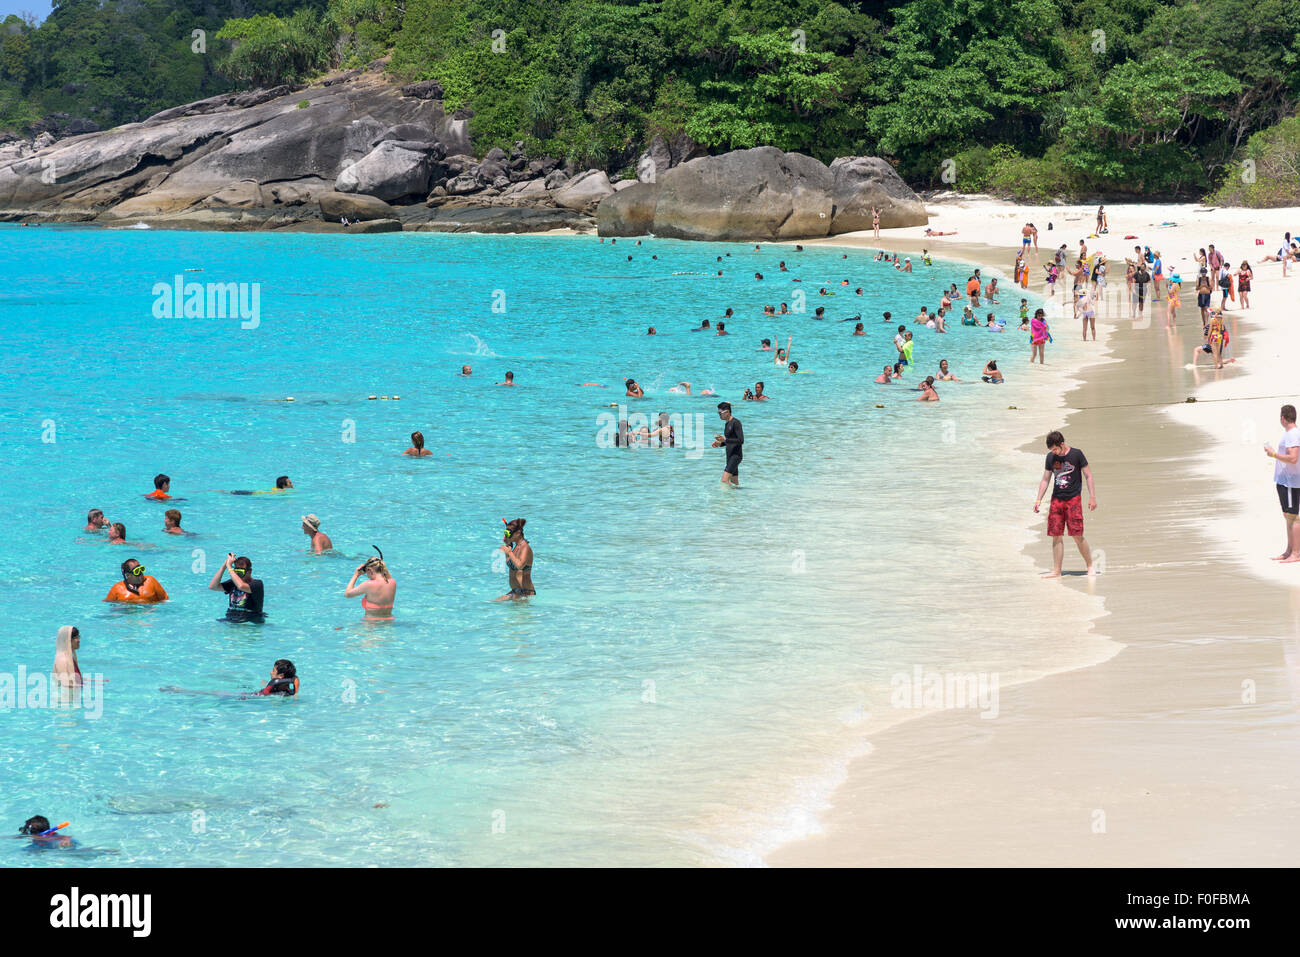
1065,514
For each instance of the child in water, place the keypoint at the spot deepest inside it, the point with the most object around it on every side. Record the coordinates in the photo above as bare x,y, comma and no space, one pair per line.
284,679
37,826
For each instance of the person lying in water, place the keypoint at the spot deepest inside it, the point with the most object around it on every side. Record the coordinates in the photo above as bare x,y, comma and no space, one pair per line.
136,587
38,829
282,484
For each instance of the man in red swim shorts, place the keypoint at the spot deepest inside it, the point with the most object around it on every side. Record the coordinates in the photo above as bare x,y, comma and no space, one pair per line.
1066,469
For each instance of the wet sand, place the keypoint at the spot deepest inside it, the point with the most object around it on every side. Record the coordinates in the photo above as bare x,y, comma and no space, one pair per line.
1178,750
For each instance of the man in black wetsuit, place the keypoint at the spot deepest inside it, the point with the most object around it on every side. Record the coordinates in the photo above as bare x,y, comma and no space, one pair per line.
733,437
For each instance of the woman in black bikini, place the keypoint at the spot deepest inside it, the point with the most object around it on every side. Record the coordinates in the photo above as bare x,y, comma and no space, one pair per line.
519,557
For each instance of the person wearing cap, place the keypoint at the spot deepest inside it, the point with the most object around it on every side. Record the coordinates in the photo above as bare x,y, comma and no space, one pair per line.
319,540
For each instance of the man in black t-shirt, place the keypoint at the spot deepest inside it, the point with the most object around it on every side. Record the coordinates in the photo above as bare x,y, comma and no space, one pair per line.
733,437
243,590
1066,469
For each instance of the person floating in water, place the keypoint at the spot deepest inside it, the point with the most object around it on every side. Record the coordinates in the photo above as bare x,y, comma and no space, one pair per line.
161,487
417,449
243,590
319,540
519,559
733,438
284,679
172,522
282,484
95,520
42,835
136,587
377,592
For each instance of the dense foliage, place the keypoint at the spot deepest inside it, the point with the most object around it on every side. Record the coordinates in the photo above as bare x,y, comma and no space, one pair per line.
1031,98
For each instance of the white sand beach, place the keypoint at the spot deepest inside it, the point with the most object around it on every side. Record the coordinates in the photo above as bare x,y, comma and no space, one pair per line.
1179,749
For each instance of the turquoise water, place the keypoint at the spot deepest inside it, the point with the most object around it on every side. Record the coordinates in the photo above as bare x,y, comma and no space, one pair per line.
680,688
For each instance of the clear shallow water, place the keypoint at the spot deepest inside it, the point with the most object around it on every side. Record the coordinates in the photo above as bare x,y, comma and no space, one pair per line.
697,663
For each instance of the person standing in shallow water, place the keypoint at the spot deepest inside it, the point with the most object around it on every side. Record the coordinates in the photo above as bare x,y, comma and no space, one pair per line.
377,592
733,438
1066,469
519,560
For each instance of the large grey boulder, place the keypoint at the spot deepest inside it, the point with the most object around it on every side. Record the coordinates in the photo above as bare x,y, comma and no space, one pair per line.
759,194
628,212
862,182
755,194
188,156
356,207
583,190
390,171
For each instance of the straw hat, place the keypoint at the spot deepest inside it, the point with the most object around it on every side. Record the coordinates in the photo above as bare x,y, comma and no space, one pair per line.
312,522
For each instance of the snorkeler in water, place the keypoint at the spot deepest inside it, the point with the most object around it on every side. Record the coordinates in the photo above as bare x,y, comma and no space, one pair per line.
282,484
38,829
377,592
519,560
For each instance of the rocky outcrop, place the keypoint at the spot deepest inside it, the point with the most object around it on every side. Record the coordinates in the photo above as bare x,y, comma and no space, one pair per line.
584,190
354,207
393,170
760,194
864,182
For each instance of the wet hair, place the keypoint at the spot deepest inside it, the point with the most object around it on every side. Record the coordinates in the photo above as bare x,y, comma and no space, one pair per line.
722,326
377,566
793,366
417,439
282,481
128,565
93,514
767,342
929,380
724,406
728,313
651,331
820,309
285,669
1288,413
516,525
1054,439
888,316
510,377
35,825
174,514
857,327
119,529
629,383
758,385
898,368
160,480
243,562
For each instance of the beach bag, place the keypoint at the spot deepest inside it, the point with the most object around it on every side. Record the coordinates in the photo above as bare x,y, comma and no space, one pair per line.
1225,283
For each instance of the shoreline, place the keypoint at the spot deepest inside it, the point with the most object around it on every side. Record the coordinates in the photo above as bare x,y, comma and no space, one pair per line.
1070,762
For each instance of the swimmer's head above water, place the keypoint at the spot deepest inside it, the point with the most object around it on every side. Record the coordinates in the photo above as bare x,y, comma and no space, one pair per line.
283,482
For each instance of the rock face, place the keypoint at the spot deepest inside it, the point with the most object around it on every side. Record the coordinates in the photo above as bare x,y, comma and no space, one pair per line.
353,207
862,182
759,194
584,190
203,155
393,170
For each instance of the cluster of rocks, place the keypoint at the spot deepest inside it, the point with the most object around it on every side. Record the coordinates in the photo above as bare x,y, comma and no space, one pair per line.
354,147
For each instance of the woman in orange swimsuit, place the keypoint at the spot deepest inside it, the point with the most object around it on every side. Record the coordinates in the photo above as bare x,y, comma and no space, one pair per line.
376,592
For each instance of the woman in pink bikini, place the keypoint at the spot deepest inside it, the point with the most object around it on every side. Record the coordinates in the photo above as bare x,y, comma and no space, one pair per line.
376,592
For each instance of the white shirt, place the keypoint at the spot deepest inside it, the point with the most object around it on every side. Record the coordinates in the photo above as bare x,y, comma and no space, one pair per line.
1283,474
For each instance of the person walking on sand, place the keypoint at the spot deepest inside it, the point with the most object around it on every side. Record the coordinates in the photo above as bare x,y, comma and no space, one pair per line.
1066,469
1038,336
733,438
1286,475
